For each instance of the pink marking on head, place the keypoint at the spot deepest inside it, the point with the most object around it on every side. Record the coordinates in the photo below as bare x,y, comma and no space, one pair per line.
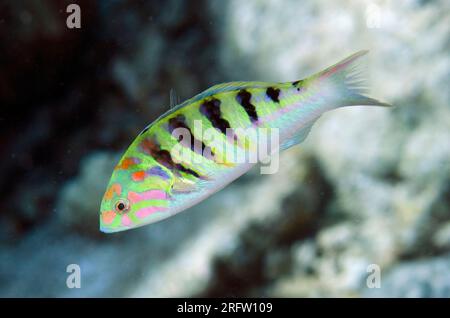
108,217
134,197
144,212
126,221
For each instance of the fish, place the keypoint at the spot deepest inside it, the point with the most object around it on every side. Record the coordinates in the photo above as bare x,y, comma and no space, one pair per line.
152,182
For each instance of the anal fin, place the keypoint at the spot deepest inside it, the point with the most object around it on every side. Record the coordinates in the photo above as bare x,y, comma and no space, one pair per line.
298,137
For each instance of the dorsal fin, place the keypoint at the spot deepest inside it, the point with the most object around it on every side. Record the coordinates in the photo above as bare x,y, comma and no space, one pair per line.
224,87
216,89
230,86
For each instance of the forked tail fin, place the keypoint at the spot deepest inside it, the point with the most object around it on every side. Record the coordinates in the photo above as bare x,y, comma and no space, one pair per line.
343,84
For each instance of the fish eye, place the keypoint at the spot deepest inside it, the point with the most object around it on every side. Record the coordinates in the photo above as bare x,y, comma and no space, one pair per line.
122,206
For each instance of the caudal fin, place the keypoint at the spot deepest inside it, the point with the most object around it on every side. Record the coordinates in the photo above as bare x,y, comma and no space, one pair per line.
344,84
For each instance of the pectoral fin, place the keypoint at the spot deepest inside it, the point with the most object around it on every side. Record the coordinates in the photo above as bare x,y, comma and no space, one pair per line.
182,185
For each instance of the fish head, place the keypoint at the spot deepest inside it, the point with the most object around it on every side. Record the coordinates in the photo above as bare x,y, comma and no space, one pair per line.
138,194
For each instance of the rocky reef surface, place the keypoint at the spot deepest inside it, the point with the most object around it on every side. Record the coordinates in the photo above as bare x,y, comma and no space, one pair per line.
369,187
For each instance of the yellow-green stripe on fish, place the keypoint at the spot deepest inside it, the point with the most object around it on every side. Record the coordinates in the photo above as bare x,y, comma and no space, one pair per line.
191,151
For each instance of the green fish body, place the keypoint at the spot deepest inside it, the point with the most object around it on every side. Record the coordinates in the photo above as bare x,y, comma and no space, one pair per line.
152,181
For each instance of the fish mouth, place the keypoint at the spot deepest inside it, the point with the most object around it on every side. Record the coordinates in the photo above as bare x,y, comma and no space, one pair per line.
105,229
109,230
